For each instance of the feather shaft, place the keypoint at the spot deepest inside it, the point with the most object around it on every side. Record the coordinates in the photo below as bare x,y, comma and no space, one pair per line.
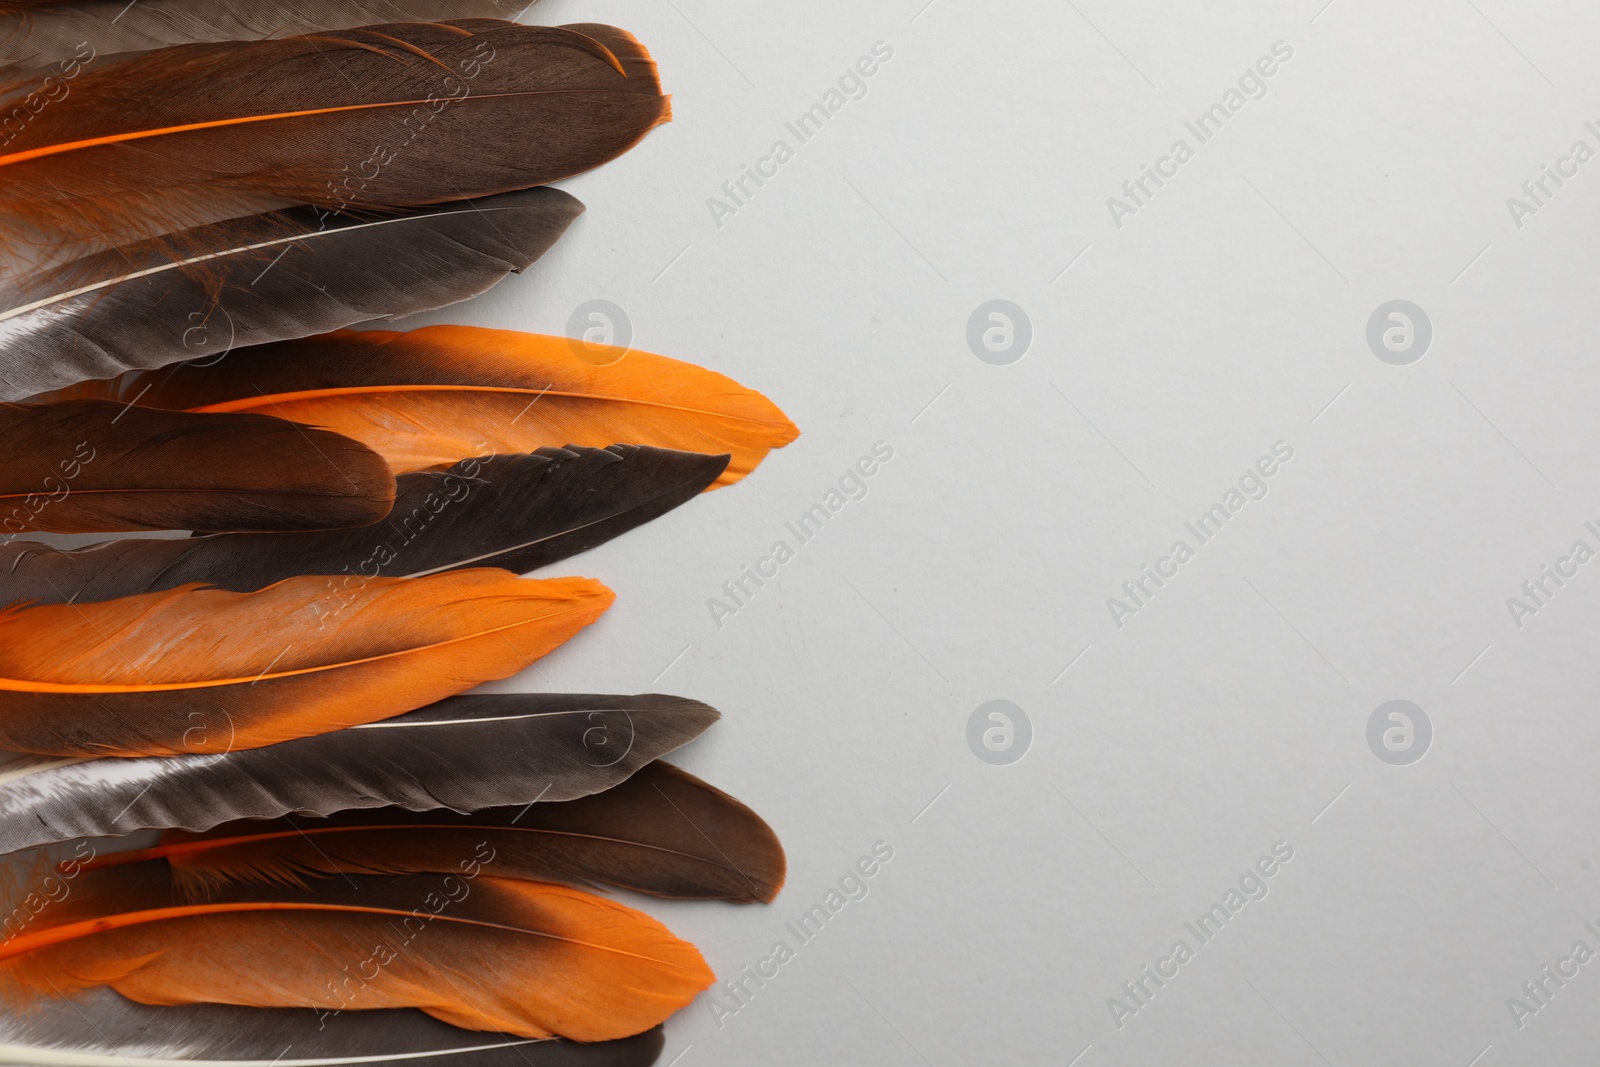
96,466
296,659
475,951
465,754
662,832
434,396
515,512
202,293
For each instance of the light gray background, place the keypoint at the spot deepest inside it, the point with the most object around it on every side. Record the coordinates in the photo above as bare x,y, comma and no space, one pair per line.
1168,355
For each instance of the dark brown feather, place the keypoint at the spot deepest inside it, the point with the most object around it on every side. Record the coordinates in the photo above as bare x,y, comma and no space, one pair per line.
384,117
663,832
87,466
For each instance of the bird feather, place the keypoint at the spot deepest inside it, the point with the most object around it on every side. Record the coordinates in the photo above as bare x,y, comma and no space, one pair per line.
464,754
483,953
662,832
91,466
37,32
384,117
202,293
202,670
516,512
99,1028
434,396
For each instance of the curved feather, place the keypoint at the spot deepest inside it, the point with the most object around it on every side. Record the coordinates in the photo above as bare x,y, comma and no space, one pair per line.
433,396
99,1028
268,277
37,32
484,953
464,754
188,135
662,832
516,512
204,670
85,466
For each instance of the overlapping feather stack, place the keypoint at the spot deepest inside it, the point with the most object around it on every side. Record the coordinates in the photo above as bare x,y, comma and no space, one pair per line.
358,862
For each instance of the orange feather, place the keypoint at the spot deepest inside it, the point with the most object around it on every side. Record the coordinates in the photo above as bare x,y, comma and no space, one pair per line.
198,670
473,950
441,394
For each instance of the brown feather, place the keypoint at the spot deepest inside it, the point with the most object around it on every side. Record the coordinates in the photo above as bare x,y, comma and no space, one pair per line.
88,466
662,832
441,394
384,117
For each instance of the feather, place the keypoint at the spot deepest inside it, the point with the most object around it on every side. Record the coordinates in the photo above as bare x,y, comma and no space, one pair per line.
183,136
662,832
484,953
436,395
268,277
37,32
210,671
465,754
91,465
99,1028
515,512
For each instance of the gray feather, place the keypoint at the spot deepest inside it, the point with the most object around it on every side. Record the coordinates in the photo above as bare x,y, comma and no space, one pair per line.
464,753
40,32
102,1029
517,512
270,277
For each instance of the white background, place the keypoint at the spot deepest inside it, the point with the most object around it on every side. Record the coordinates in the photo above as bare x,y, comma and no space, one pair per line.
1230,713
